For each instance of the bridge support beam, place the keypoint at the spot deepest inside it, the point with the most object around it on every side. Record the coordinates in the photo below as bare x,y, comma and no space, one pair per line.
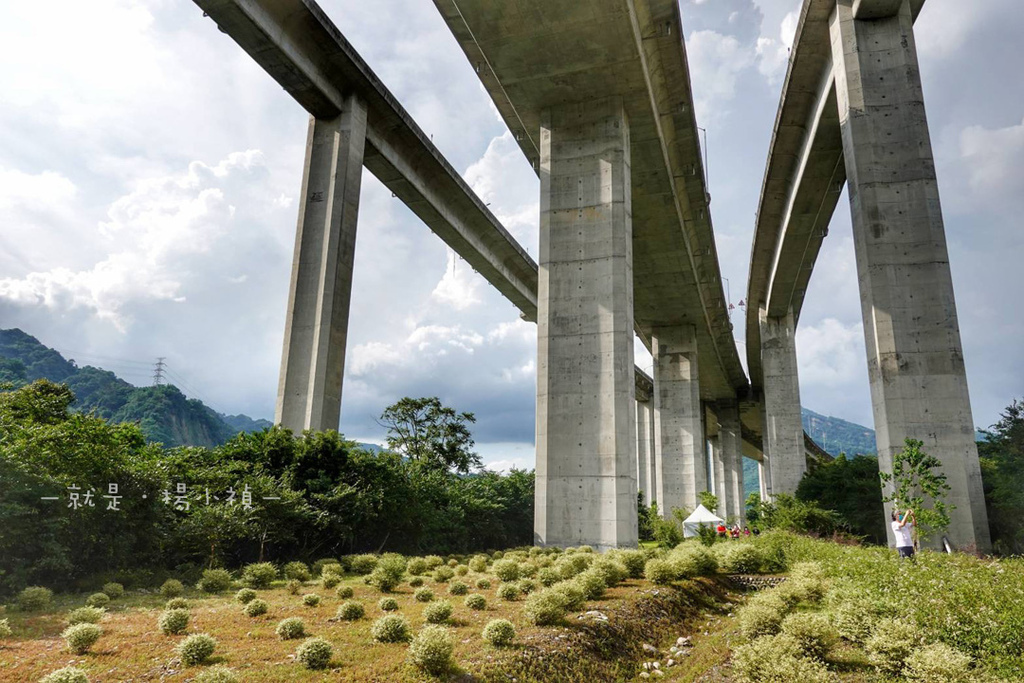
719,468
680,462
783,431
731,441
915,358
316,327
586,432
645,449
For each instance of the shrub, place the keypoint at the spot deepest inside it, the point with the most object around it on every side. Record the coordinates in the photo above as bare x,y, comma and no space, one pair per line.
506,570
174,622
296,570
478,563
245,595
171,588
548,577
315,653
392,628
330,580
461,570
215,581
499,632
196,649
526,586
853,620
762,616
592,584
344,592
546,607
217,674
290,629
475,601
497,555
574,595
259,574
5,628
113,590
81,637
458,588
739,558
351,611
423,595
634,562
34,598
416,566
69,674
612,571
362,564
938,663
891,643
812,633
571,565
318,567
256,608
416,581
310,599
388,572
776,659
443,574
98,600
387,604
82,615
433,562
692,559
431,650
483,584
177,603
293,586
661,572
438,612
508,591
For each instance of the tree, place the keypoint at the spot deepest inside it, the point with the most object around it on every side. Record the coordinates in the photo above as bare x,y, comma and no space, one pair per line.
917,484
850,487
708,500
432,434
1002,471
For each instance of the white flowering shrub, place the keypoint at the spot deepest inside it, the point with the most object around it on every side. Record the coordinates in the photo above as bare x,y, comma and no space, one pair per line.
762,615
431,650
546,607
387,605
215,581
351,611
475,601
499,632
82,615
483,584
259,574
938,663
315,653
245,595
172,588
196,649
81,637
392,628
34,598
344,592
98,600
811,631
423,595
438,612
174,622
508,592
256,608
591,583
113,590
891,643
290,629
776,659
296,570
69,674
506,570
310,599
457,588
177,603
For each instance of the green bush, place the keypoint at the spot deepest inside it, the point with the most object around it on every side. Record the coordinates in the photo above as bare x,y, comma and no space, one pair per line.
891,643
113,590
172,588
475,601
392,628
256,608
443,574
570,565
546,608
776,659
548,576
34,598
433,562
245,595
938,663
661,572
177,603
526,586
438,612
296,570
215,581
388,573
499,632
416,566
98,600
508,591
575,598
174,622
69,674
330,580
457,588
497,555
811,631
692,559
310,599
217,674
259,575
362,564
81,637
762,616
853,620
290,629
423,595
82,615
431,650
318,567
592,584
483,584
461,570
196,649
416,581
315,653
634,561
506,570
5,628
351,611
739,558
387,605
344,592
610,570
478,563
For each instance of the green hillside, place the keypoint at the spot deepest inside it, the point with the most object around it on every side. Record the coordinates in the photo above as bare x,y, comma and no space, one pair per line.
838,436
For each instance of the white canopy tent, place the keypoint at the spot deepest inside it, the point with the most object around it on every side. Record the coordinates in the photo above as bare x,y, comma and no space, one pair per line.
700,516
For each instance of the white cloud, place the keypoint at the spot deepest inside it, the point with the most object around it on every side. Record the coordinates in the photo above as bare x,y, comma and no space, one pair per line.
716,61
459,288
994,160
830,353
773,53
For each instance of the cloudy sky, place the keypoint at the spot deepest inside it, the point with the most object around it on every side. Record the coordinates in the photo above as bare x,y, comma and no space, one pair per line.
149,172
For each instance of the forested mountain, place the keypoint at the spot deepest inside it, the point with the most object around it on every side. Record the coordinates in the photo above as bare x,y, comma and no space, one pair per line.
838,436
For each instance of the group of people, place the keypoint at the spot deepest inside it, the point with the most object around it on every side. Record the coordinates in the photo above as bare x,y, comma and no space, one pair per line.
733,531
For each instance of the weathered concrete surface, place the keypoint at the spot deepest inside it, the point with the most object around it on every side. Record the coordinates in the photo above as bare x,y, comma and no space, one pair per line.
718,468
915,357
586,432
644,454
783,438
730,437
316,326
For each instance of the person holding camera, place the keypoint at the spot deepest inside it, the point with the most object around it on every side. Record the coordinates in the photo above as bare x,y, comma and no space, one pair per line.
903,529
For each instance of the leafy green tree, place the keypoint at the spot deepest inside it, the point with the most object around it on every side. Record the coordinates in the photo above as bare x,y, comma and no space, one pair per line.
708,500
917,483
850,487
644,518
1002,470
786,512
430,433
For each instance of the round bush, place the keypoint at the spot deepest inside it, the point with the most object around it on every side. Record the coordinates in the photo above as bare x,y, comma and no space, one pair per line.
82,615
80,637
497,555
499,632
443,574
571,565
196,649
362,564
330,580
592,584
575,598
634,561
69,674
215,581
290,629
217,674
475,601
259,575
171,588
344,592
458,588
546,607
548,577
392,628
776,658
293,586
890,644
693,559
461,570
740,558
256,608
661,572
416,566
853,619
508,591
431,650
245,595
416,581
310,599
526,586
315,653
506,570
388,605
98,600
388,572
351,611
177,603
611,571
113,590
762,616
478,563
938,663
483,584
5,628
296,570
174,622
319,565
433,562
438,612
423,595
812,633
34,598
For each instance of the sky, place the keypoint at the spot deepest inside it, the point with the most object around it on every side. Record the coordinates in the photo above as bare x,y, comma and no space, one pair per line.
149,173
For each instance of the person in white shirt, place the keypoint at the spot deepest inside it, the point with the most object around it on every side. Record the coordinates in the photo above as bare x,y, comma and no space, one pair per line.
903,529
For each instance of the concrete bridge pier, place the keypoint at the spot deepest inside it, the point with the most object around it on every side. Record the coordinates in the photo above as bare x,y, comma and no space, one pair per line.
730,440
718,466
586,419
316,326
782,429
915,358
680,462
645,449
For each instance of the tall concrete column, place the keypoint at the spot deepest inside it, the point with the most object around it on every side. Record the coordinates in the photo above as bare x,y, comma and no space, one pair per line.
316,327
644,455
915,358
680,462
718,467
730,438
783,427
586,432
763,470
